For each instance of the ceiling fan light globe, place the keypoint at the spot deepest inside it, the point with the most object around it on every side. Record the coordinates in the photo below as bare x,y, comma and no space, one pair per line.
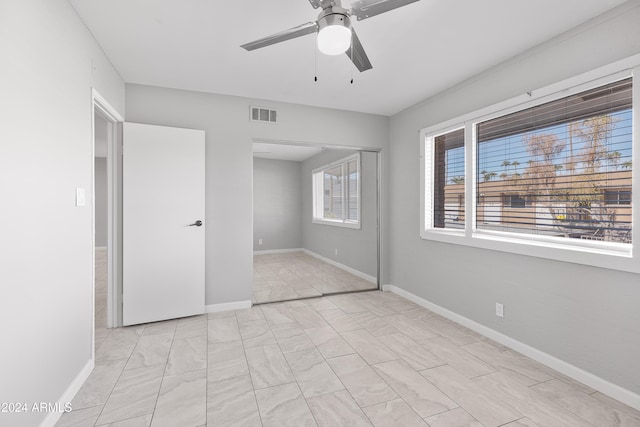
334,39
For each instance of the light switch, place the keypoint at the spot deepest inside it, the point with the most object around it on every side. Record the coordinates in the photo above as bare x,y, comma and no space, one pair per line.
80,197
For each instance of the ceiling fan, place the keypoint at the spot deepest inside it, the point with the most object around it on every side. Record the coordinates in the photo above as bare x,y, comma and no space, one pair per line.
335,33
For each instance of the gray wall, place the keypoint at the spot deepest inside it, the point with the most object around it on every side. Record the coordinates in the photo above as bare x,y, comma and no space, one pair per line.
586,316
101,202
277,204
357,248
229,141
47,243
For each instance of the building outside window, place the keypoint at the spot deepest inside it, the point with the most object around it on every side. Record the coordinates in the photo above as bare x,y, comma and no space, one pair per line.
513,201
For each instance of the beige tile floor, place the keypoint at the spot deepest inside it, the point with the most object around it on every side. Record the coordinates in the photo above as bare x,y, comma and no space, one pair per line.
370,358
294,275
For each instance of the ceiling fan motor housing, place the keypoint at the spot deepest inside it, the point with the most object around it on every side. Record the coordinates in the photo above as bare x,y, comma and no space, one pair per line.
334,16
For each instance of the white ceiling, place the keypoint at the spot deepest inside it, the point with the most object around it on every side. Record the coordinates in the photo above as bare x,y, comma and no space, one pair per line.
416,51
296,153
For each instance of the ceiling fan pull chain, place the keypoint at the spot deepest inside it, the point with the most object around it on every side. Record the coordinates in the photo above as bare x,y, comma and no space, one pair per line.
352,64
315,64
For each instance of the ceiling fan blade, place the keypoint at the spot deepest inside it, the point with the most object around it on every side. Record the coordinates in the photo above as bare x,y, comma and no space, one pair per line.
357,54
315,3
292,33
364,9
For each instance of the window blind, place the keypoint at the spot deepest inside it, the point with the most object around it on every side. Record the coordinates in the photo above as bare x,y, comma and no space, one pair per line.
352,175
333,193
448,180
562,168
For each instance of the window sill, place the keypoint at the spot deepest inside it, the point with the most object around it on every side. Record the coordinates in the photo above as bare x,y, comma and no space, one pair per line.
615,256
443,233
336,223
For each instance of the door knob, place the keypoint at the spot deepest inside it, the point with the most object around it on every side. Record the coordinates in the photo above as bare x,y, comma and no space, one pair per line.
198,223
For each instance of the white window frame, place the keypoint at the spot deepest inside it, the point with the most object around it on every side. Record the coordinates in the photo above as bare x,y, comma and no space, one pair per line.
612,255
427,170
318,197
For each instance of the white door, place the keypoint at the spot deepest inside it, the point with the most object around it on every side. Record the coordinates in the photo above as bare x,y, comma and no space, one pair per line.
163,200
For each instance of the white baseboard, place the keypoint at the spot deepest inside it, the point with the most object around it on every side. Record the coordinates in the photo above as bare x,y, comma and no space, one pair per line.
615,391
53,417
225,306
277,251
346,268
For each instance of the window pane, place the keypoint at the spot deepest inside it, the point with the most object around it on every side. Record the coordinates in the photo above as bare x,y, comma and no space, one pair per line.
560,169
352,190
624,197
448,180
333,194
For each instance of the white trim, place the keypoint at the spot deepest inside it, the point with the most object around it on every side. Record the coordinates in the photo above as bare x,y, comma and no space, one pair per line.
92,281
324,146
336,223
104,105
277,251
348,269
427,171
226,306
67,396
635,153
98,102
610,389
598,254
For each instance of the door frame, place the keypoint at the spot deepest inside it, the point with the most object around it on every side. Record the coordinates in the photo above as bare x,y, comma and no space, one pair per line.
379,182
99,105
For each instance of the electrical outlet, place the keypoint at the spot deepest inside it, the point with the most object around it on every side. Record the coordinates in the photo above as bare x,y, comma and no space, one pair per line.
259,241
336,252
499,310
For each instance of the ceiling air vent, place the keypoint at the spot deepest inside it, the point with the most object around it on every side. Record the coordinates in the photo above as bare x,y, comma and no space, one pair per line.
264,115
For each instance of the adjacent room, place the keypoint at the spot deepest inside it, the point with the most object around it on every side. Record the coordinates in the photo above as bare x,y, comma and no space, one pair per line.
320,212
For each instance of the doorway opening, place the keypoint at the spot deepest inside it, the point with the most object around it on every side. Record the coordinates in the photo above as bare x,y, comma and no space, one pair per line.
107,217
100,212
316,227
